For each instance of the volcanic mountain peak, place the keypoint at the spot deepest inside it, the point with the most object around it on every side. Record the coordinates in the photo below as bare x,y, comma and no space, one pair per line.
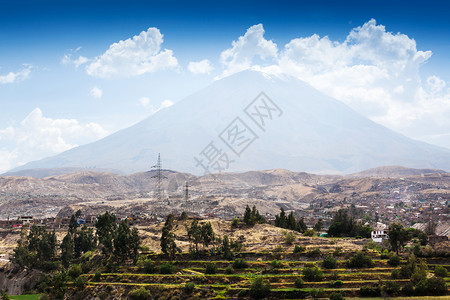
253,121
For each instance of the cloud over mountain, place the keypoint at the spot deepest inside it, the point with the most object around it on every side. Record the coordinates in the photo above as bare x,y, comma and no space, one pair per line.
134,56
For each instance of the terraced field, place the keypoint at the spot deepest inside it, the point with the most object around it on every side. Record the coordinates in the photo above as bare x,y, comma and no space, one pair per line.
231,282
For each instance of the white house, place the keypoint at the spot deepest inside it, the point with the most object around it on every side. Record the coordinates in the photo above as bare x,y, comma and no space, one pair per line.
379,235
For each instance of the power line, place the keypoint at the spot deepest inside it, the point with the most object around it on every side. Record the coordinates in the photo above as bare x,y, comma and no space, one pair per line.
159,193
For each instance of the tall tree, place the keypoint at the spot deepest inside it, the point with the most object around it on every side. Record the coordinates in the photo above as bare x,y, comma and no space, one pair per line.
398,236
106,229
195,234
247,215
122,242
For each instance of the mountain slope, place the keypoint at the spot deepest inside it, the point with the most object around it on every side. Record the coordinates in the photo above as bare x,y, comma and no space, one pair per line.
313,133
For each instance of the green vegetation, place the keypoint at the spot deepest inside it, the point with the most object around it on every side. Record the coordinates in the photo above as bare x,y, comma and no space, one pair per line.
140,294
440,271
290,222
94,267
359,260
344,224
312,274
289,238
211,268
260,288
299,249
240,264
252,216
329,262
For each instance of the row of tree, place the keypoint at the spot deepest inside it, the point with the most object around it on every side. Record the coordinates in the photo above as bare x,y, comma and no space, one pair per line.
344,224
39,249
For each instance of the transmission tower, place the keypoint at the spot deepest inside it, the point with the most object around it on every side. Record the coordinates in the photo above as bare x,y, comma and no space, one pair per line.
159,193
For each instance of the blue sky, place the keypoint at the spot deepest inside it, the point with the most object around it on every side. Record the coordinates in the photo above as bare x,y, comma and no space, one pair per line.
52,100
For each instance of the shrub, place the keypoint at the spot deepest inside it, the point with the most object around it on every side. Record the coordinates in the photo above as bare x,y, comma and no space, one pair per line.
394,260
418,275
421,287
240,264
299,283
395,274
437,286
80,283
4,295
369,291
167,268
405,272
359,260
276,264
140,294
337,251
312,274
229,270
189,287
235,222
97,276
329,262
211,268
41,297
440,271
391,288
336,284
299,249
309,232
314,253
289,238
385,254
75,271
408,289
149,266
317,293
260,288
278,249
334,276
336,296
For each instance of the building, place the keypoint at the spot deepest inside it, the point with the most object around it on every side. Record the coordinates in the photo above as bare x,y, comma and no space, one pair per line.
379,235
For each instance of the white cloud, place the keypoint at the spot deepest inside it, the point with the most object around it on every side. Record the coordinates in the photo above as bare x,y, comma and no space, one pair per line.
67,58
252,45
12,77
374,71
200,67
134,56
146,103
96,92
37,137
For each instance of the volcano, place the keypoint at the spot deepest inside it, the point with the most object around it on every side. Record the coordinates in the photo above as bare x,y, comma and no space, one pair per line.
253,121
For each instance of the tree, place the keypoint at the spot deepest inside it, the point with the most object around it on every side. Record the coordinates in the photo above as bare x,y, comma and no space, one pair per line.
168,245
84,241
73,224
260,288
195,234
247,215
135,244
291,222
67,250
318,226
207,234
35,249
280,220
106,230
301,226
329,262
122,242
398,236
